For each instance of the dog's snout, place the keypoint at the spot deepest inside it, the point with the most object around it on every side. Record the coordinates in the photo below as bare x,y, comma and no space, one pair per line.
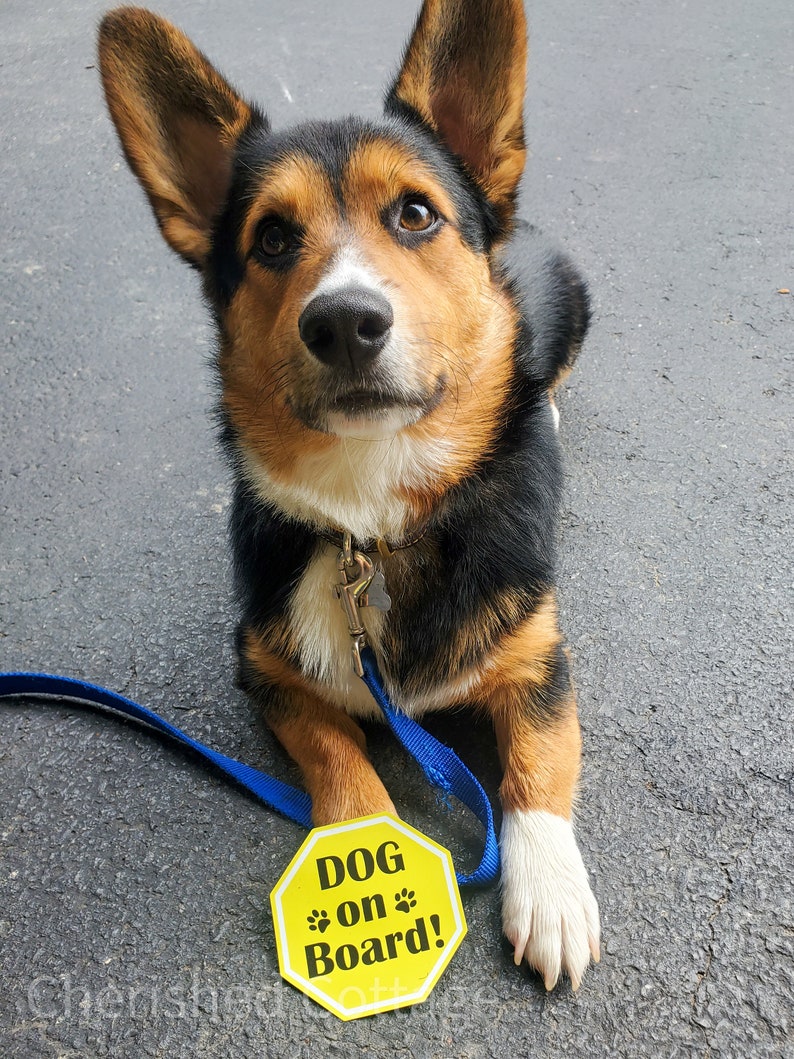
346,328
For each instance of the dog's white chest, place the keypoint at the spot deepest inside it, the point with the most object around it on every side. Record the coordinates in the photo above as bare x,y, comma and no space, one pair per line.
359,485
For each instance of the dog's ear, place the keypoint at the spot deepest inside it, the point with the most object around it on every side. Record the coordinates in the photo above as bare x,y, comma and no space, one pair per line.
178,121
464,75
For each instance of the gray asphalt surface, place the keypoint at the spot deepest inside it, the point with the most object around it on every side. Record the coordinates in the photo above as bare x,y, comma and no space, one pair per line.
133,884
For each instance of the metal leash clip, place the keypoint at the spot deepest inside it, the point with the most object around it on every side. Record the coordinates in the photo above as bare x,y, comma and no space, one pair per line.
361,584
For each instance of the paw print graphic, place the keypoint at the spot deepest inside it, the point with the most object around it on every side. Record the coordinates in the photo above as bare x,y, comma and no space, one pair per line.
405,900
319,920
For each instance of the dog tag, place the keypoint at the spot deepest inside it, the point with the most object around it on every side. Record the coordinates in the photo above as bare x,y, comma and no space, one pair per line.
376,594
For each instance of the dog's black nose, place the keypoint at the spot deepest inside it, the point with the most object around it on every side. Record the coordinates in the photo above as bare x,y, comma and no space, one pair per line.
346,328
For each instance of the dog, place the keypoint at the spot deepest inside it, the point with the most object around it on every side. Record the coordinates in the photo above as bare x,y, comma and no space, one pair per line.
389,342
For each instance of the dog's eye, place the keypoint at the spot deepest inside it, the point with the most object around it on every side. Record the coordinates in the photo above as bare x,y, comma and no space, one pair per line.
416,216
275,238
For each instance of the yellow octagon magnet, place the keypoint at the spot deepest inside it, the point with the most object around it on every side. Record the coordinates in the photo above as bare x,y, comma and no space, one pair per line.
367,916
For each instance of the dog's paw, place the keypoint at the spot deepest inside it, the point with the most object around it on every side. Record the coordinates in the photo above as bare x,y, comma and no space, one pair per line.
549,914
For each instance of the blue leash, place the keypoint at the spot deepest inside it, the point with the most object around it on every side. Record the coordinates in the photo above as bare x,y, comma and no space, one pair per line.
442,767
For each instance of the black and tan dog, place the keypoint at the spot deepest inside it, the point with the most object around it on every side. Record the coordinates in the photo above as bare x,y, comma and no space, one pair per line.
389,341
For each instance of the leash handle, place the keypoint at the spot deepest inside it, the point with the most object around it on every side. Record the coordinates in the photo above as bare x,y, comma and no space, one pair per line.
442,767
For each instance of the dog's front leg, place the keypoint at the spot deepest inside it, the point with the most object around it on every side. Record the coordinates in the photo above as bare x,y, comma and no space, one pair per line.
330,750
328,747
549,913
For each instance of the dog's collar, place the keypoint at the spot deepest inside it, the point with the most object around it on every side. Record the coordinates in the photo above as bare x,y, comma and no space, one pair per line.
374,545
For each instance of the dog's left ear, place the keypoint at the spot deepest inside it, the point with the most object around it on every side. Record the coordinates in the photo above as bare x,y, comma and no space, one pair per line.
464,75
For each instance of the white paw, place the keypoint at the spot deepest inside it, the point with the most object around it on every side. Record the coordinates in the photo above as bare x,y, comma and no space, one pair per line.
549,913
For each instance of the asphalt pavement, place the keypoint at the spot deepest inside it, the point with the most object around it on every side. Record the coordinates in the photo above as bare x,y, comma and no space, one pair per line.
134,883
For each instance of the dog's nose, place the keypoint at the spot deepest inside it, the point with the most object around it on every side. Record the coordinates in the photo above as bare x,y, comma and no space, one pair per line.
346,328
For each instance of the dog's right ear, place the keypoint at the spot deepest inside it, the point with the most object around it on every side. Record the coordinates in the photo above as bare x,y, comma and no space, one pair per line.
463,76
178,121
